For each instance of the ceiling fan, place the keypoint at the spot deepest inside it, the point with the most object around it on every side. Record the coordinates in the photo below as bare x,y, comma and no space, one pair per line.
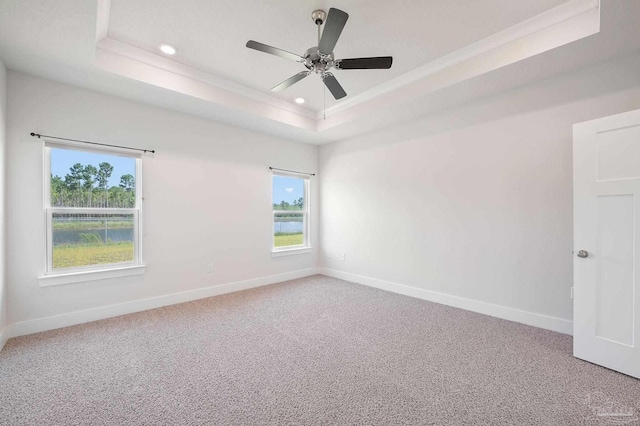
320,59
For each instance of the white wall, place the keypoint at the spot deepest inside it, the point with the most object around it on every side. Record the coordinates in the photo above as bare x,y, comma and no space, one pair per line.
474,203
3,128
207,198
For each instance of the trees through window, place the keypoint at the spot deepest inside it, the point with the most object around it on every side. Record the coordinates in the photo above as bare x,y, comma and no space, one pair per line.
290,211
92,209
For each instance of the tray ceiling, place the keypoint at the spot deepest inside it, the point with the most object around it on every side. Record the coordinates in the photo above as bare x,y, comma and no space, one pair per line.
211,36
443,52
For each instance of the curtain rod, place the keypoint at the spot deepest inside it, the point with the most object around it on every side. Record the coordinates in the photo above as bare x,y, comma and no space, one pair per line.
93,143
292,171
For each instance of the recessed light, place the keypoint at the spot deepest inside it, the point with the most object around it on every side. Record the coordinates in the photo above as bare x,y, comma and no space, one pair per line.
168,49
299,100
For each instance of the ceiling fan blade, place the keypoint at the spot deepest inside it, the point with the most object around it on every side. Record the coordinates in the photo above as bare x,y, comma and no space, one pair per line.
336,19
274,51
334,87
290,81
377,63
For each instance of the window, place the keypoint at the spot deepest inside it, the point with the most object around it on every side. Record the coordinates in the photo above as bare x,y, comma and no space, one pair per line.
290,212
92,209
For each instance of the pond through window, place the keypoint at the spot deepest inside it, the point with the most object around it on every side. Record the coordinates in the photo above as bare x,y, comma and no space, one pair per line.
92,209
290,211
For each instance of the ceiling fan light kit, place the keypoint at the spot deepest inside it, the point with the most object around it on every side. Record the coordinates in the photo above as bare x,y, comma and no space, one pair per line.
320,59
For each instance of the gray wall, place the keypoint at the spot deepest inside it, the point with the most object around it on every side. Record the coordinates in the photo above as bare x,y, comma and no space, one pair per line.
474,203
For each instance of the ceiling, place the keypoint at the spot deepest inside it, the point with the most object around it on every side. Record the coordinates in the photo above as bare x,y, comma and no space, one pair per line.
438,47
210,36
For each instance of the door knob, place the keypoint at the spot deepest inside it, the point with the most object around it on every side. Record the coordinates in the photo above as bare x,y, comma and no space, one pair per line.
583,253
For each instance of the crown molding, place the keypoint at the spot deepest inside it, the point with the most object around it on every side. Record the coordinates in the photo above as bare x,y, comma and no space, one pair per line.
580,18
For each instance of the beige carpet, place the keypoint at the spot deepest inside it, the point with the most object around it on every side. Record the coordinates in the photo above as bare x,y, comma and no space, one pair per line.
310,351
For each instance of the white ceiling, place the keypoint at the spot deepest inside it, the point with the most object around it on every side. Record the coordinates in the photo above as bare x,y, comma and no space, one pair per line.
445,53
211,36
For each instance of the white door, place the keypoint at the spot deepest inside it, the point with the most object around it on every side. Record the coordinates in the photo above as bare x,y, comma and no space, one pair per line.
606,194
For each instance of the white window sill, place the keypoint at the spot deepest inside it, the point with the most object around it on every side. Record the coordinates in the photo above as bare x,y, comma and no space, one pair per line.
290,252
83,276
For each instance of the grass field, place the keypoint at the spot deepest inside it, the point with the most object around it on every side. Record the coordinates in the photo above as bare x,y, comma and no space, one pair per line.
282,240
74,255
67,256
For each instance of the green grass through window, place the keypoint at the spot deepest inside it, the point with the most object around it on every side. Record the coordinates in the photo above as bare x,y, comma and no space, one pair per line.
74,255
283,240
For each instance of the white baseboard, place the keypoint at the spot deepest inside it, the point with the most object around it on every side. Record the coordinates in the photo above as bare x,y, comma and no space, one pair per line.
79,317
4,336
529,318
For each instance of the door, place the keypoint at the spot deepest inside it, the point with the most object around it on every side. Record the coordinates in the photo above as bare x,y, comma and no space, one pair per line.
606,194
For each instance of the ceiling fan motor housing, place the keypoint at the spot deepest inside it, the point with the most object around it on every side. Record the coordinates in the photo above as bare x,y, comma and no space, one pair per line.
317,62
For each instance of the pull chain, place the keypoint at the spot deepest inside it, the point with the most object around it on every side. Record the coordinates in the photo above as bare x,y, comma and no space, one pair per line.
324,102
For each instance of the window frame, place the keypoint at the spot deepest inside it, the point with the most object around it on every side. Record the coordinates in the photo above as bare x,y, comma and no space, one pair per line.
56,276
305,247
